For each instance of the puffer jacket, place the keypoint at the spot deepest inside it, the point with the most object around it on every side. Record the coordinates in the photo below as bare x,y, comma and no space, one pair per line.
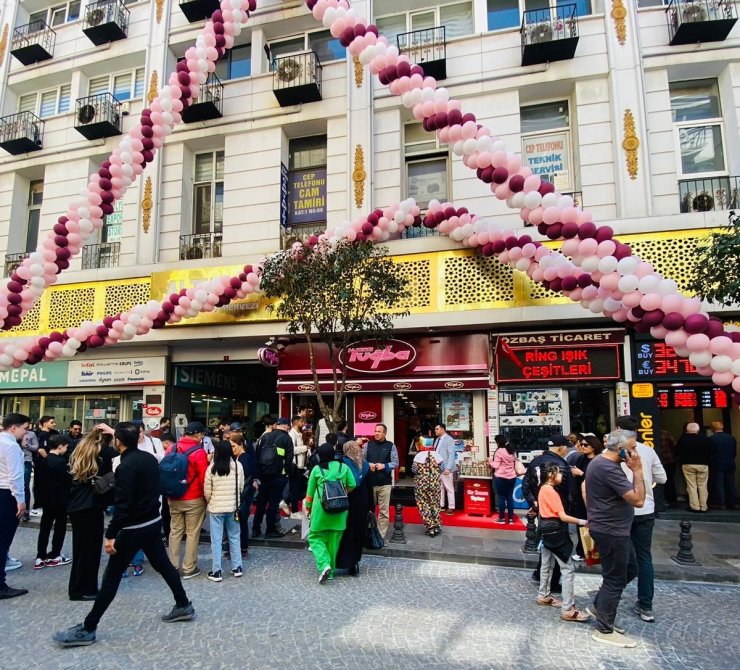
221,492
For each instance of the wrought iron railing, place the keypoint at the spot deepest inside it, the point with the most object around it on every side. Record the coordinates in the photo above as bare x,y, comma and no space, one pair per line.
415,232
300,233
22,125
548,25
713,194
103,255
12,261
424,46
301,69
107,11
36,32
212,91
200,245
98,108
679,12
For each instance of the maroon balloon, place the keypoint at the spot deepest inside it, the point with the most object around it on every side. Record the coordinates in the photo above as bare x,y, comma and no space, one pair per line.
107,197
487,249
604,233
440,119
715,329
248,269
486,174
229,293
556,284
584,280
15,298
696,323
586,230
14,286
61,240
360,30
417,69
12,320
105,184
554,231
570,230
60,229
511,242
107,208
454,117
653,318
235,282
183,78
569,283
367,228
145,120
372,28
96,341
148,143
147,131
500,175
62,264
516,183
63,254
498,246
168,307
101,331
148,155
404,69
348,34
468,117
56,336
546,187
217,16
542,228
638,312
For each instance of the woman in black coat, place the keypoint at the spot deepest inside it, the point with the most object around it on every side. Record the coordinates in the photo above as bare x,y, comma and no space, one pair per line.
360,502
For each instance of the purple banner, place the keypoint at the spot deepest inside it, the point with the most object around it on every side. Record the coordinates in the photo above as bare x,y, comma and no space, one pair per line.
307,196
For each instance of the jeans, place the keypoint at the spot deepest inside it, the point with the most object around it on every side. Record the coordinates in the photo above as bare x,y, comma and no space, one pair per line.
269,497
27,470
8,526
244,510
218,522
697,477
641,535
128,542
138,558
723,487
618,568
568,577
505,496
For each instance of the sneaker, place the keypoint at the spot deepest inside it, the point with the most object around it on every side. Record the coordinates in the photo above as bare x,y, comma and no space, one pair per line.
549,601
577,558
237,572
36,512
180,613
216,576
296,516
284,507
591,609
501,521
125,574
190,575
645,614
575,615
324,575
39,564
615,639
59,560
450,512
138,570
275,533
76,636
12,564
7,592
26,517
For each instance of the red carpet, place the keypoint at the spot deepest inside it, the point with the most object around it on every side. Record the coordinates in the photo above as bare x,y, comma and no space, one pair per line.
461,520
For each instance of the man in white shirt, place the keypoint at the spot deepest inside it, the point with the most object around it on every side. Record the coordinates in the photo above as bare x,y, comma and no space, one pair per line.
641,532
300,456
12,493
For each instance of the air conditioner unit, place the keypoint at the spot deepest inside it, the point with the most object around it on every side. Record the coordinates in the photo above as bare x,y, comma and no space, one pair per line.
86,114
125,108
95,17
540,32
288,70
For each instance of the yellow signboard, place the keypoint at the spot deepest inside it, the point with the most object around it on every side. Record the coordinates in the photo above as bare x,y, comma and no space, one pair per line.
642,390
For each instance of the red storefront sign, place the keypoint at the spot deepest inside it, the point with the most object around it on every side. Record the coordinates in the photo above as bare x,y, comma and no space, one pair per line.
477,496
372,358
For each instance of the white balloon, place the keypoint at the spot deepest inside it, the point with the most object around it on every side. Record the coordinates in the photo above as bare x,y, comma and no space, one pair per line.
700,359
627,265
549,200
721,363
608,264
628,283
648,284
590,263
532,199
517,200
667,287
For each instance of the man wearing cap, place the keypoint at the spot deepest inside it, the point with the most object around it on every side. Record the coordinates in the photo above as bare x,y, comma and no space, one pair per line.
189,510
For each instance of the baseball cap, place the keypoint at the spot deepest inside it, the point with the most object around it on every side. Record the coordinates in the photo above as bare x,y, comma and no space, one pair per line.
282,421
195,427
558,441
235,426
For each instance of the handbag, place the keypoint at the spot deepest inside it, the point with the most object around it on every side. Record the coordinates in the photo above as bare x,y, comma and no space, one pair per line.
590,550
519,468
237,516
103,484
334,496
373,538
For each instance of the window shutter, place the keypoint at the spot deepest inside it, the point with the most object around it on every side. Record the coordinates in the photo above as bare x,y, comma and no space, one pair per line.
48,104
139,83
204,167
122,87
457,19
27,103
65,94
98,85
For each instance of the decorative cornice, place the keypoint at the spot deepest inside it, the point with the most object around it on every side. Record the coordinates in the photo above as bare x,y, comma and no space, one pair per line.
359,175
153,83
619,14
359,70
146,205
630,143
3,44
160,7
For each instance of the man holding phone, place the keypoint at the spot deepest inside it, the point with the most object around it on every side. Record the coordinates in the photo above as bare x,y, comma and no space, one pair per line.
611,500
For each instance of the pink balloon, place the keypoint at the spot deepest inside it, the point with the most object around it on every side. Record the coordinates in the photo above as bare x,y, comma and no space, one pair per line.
631,299
697,342
723,378
690,306
650,302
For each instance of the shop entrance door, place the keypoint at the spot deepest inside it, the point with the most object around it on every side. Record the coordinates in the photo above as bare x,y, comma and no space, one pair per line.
590,409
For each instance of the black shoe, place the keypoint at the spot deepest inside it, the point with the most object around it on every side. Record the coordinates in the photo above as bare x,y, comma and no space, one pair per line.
556,588
7,592
354,571
275,534
88,597
179,614
76,636
256,535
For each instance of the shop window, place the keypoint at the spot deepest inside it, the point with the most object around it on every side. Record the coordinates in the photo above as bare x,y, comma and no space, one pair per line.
546,143
508,13
237,63
327,48
33,217
208,193
46,103
426,166
307,180
457,19
123,85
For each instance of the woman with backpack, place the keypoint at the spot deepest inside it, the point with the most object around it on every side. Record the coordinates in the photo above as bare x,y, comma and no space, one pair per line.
223,491
327,526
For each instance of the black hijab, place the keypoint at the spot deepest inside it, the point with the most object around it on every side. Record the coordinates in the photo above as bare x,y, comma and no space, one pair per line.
326,455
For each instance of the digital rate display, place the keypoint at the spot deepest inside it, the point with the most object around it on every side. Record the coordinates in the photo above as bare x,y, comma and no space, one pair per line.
657,359
690,398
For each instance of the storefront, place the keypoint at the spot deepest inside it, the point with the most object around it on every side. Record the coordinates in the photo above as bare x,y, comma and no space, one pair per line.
409,383
549,383
92,391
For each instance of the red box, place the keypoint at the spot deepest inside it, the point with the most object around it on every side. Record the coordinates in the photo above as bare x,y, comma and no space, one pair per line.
477,496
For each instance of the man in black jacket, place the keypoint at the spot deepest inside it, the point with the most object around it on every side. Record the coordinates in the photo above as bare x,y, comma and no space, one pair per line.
136,524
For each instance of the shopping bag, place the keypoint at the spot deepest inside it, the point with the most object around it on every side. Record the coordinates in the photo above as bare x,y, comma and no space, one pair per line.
305,523
590,551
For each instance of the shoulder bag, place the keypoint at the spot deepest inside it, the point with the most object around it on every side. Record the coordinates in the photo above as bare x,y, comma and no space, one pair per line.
237,516
519,468
334,496
103,484
373,538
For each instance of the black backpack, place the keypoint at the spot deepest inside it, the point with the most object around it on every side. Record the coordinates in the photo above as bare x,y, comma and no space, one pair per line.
269,462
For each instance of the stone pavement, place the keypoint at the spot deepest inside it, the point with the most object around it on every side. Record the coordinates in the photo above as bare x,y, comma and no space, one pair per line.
400,613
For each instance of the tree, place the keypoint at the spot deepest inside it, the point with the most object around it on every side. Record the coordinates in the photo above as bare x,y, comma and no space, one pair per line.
717,277
335,293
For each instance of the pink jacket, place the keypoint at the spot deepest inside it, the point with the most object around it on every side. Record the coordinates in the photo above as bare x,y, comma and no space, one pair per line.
503,464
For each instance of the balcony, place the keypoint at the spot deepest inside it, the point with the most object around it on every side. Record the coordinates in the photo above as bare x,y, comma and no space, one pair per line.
12,261
300,233
210,103
98,116
197,10
549,35
201,245
416,232
714,194
297,79
21,133
100,255
106,21
693,21
33,43
427,48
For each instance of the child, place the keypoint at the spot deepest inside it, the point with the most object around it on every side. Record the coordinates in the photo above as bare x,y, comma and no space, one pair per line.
57,485
556,545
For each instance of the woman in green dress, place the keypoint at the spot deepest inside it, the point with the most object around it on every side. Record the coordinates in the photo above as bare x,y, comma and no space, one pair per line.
326,530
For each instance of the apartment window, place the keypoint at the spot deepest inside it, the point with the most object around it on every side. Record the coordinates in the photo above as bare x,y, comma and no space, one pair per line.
237,63
327,48
457,19
46,103
546,143
35,199
427,166
306,180
307,152
58,14
208,193
697,119
508,13
124,86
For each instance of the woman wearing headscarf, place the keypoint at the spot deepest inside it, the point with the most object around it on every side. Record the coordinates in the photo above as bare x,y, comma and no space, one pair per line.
427,467
353,538
326,528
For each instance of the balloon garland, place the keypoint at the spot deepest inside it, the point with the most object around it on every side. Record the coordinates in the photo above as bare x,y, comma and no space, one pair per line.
602,273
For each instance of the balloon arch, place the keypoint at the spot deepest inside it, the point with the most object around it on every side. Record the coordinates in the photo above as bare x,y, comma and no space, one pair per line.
592,267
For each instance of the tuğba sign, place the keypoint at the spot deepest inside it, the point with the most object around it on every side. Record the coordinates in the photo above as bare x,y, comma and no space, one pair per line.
376,358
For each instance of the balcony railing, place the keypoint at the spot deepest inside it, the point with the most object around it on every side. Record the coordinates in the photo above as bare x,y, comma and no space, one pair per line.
693,21
549,34
299,233
12,261
106,21
427,48
714,194
201,245
103,255
210,102
416,232
197,10
21,133
98,116
297,78
33,43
